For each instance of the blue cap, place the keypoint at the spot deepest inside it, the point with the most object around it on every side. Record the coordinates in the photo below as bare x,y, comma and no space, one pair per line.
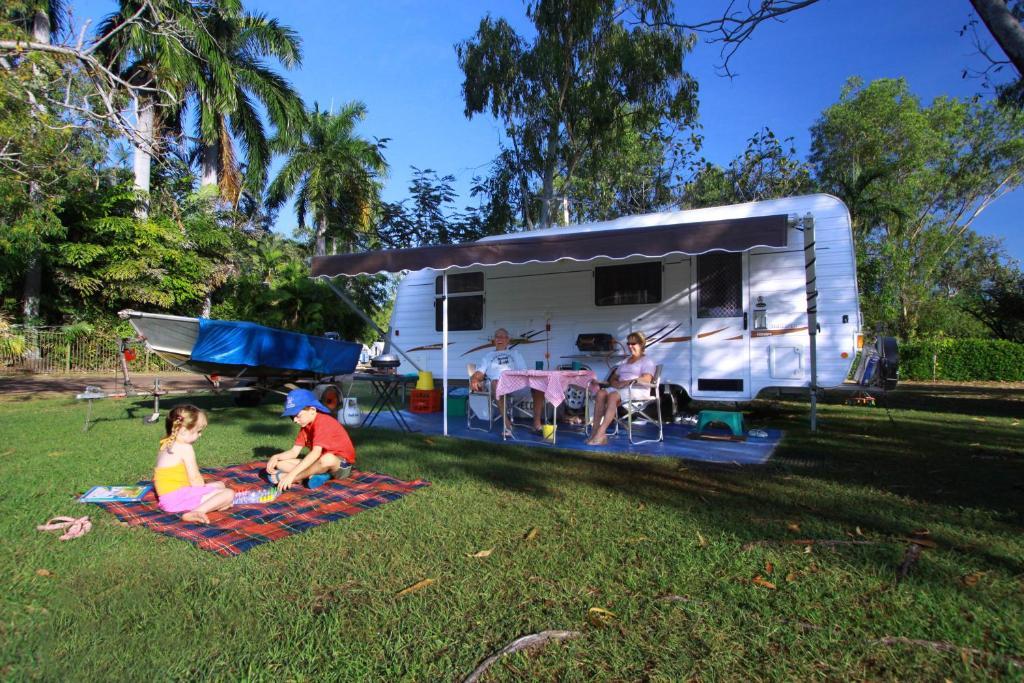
298,399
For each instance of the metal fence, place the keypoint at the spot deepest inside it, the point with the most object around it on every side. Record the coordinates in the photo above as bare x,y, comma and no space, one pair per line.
56,351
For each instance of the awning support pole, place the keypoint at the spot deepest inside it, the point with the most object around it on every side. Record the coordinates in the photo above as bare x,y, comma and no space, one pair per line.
444,351
812,312
369,321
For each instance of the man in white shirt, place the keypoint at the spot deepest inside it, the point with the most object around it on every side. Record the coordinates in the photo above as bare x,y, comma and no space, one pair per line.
498,361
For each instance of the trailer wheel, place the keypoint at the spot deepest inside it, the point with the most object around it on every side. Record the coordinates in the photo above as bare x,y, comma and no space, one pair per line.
248,399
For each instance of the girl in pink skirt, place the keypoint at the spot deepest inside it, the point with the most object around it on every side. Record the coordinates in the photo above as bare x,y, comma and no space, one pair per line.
179,485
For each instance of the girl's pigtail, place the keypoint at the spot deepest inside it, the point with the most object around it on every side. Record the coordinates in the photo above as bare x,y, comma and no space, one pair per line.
168,441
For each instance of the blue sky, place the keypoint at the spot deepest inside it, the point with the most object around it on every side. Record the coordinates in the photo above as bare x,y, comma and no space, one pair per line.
398,58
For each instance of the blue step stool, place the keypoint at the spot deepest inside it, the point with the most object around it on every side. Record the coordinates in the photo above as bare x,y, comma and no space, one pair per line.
732,420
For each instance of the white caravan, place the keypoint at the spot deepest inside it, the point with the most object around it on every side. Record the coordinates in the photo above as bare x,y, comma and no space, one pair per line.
726,319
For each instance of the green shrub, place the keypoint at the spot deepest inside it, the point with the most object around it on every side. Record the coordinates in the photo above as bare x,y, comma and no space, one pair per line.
962,360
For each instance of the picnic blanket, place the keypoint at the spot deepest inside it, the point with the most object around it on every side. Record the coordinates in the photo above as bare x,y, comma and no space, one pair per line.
240,528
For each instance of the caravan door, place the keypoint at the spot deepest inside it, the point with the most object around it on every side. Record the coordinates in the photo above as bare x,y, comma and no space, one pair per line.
721,338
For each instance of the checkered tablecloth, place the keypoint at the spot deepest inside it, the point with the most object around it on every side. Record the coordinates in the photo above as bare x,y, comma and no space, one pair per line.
552,382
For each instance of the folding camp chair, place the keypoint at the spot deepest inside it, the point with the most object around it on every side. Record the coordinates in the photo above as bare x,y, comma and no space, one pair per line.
636,409
484,405
481,405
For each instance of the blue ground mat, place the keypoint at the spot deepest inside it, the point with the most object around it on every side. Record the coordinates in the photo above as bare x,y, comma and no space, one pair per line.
753,451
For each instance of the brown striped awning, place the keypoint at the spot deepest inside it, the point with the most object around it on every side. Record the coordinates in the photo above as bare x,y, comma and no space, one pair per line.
735,235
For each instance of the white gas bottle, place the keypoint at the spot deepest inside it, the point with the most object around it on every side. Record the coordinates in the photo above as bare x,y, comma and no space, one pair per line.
350,414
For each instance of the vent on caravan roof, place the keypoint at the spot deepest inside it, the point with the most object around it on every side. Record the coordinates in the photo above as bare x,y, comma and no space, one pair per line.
719,384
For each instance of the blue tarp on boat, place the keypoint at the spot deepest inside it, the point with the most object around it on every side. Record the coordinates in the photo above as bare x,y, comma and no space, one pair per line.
228,342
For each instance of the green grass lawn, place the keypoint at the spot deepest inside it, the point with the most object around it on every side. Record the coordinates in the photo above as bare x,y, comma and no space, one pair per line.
661,544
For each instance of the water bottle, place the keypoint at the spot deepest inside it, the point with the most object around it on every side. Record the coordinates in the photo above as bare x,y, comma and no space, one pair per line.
350,414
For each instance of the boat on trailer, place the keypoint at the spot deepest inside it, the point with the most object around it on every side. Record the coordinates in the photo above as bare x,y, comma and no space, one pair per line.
259,358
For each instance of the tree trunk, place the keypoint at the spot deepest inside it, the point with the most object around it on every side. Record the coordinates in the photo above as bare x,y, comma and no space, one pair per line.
41,27
144,125
33,289
33,285
548,189
321,238
211,165
1005,28
547,192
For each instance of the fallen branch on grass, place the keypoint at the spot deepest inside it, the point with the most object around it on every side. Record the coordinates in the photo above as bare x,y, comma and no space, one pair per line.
803,541
943,646
531,642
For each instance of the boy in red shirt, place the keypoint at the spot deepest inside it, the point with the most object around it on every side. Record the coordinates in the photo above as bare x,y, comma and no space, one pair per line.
331,453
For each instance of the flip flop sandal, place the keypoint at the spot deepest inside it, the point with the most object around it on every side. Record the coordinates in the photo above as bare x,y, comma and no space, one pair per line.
56,524
72,526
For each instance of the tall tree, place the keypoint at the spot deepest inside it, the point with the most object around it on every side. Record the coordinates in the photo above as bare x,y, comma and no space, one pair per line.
228,94
999,303
334,174
159,67
40,19
915,179
766,170
565,93
428,215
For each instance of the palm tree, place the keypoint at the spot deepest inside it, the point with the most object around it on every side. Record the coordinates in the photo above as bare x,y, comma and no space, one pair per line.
159,48
212,56
226,103
334,174
43,19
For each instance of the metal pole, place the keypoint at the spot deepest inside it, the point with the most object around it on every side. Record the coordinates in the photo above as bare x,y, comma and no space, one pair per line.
812,312
344,297
444,351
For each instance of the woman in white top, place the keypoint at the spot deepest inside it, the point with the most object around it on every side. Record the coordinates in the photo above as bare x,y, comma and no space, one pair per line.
637,367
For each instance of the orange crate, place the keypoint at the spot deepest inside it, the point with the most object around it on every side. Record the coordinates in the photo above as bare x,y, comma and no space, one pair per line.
425,400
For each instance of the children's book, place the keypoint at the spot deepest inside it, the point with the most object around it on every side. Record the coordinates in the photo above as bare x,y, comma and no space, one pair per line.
115,494
256,496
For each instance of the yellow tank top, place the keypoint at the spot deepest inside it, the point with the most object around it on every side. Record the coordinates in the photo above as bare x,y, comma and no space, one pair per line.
168,479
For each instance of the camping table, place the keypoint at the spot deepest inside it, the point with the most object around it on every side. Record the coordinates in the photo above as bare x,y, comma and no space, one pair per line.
385,388
552,382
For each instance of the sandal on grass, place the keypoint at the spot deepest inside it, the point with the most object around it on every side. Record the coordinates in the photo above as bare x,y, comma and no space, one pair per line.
72,526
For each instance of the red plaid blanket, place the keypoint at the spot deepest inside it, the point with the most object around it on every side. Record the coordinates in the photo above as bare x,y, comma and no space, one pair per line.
238,529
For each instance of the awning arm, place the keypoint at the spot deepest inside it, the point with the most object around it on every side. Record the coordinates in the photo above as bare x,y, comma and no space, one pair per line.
369,321
811,280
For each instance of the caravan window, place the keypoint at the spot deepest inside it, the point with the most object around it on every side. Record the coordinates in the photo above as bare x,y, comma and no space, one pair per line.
465,302
720,287
638,283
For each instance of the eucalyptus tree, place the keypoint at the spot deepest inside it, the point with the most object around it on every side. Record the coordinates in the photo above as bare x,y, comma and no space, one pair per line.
915,179
593,67
334,174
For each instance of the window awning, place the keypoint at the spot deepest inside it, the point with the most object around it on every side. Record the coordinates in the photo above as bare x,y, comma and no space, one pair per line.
735,235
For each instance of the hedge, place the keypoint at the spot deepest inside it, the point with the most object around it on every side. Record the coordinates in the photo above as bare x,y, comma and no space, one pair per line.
962,360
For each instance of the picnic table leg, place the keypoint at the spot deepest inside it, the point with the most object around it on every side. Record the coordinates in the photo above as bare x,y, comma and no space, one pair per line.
391,394
375,408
